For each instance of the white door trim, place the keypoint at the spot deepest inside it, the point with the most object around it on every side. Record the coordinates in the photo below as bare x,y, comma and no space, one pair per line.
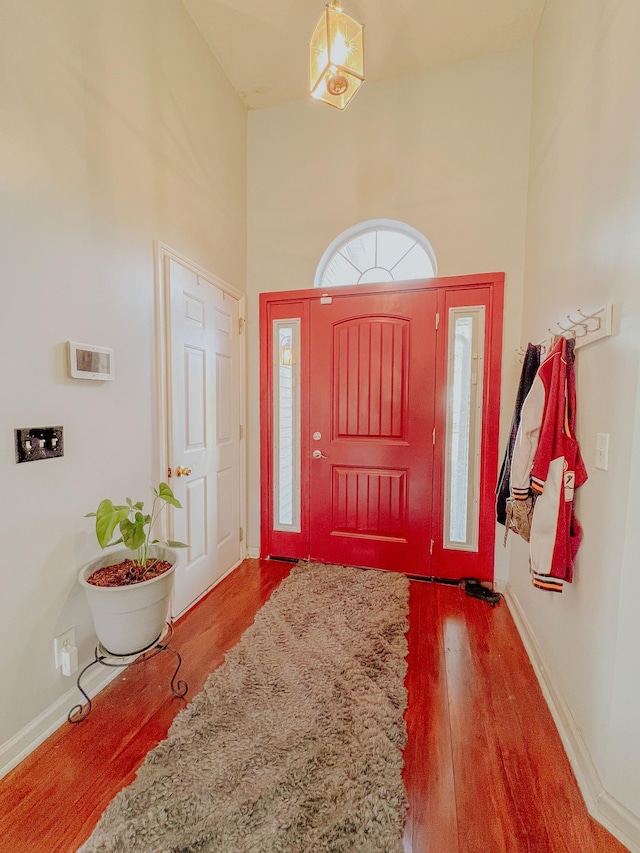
162,255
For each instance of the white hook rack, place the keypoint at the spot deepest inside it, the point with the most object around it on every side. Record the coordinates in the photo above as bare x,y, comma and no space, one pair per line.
585,330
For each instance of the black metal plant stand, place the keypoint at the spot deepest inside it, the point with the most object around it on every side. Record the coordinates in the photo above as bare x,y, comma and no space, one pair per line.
179,688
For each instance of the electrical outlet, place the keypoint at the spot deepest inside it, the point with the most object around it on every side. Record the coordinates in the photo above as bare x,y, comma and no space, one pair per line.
64,641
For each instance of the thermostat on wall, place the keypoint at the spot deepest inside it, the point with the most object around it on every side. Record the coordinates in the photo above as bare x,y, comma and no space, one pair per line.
89,362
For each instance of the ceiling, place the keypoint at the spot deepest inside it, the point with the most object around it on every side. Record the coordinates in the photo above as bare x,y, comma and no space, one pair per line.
262,45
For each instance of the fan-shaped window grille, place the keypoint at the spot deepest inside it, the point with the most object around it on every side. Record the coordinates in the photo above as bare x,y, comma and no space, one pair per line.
379,250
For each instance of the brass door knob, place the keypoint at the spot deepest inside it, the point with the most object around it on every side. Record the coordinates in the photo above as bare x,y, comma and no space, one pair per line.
182,472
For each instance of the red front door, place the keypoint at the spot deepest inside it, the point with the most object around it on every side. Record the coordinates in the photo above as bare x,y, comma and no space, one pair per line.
371,385
373,438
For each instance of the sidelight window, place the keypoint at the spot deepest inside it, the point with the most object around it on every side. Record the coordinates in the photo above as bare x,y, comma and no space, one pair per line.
465,368
286,420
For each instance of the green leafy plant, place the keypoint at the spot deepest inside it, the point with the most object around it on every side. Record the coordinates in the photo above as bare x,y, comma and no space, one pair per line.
133,524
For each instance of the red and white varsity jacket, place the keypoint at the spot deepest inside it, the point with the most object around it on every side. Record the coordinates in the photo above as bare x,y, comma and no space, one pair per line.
547,461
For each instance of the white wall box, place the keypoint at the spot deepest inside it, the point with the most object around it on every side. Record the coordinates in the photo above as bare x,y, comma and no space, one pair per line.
90,362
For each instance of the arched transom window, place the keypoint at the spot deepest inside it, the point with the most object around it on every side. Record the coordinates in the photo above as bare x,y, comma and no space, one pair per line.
379,250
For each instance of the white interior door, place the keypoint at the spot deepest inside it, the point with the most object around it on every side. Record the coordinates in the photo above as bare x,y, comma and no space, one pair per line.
204,435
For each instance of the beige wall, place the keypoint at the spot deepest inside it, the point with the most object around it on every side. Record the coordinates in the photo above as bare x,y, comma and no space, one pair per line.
446,152
117,128
583,251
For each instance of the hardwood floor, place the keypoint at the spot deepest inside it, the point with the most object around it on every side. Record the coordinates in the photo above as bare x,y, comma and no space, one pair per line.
485,771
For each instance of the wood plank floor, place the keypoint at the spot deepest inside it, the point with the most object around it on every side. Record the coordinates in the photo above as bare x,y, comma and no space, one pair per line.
485,771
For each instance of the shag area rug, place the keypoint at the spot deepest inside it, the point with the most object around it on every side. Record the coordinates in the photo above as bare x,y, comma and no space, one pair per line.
295,743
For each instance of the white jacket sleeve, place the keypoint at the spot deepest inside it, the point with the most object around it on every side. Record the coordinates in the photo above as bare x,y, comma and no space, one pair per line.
526,443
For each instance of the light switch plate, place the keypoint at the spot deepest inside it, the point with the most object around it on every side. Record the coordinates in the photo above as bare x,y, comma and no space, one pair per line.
602,451
39,443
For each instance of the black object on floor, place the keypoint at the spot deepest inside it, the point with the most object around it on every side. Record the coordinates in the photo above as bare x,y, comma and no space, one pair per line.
475,589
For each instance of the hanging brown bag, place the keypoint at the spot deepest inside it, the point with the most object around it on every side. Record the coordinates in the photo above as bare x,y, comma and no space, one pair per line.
519,516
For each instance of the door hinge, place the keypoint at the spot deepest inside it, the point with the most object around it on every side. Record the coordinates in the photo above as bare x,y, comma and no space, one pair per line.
240,430
169,473
431,548
241,535
433,435
437,321
241,325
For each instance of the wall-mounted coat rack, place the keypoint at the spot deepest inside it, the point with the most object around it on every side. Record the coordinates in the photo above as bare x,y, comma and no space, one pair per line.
586,329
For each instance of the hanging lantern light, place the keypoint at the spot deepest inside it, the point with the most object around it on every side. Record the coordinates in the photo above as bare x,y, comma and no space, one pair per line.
336,57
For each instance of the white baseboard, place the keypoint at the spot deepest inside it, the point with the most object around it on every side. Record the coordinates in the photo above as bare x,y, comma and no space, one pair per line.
500,585
602,806
254,553
13,751
622,823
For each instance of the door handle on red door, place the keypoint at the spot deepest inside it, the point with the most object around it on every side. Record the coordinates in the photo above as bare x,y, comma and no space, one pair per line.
318,454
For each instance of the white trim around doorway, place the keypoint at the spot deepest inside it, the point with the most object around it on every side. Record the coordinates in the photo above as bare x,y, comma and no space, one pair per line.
162,255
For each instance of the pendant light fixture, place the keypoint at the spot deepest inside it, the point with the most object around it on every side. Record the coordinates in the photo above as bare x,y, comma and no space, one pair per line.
336,57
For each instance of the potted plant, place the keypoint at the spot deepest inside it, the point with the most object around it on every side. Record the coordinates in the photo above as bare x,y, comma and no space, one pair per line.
129,592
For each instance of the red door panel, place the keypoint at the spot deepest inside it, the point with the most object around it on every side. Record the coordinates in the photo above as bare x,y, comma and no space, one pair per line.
451,562
372,390
275,542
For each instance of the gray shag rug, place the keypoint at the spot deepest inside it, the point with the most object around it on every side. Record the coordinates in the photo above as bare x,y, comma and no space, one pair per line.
295,742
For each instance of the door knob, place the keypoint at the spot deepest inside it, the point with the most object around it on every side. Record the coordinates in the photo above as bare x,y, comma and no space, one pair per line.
182,472
318,454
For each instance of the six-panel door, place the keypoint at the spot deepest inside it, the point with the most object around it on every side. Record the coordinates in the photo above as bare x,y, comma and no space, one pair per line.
204,436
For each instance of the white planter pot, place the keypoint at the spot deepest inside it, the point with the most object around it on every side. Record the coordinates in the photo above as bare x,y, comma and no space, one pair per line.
129,619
